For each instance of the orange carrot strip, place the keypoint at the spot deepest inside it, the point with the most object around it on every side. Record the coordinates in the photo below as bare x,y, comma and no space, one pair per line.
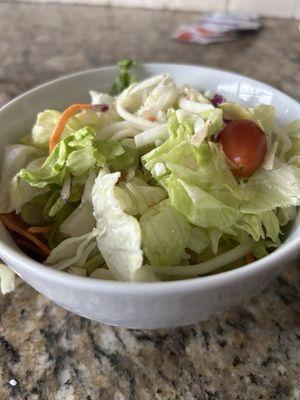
58,130
250,258
152,118
15,224
40,229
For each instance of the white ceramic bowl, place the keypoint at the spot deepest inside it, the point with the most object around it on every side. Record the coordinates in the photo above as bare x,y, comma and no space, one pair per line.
145,305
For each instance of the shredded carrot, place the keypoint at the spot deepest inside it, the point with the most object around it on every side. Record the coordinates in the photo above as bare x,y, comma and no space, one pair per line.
250,258
40,229
58,130
67,114
152,118
15,224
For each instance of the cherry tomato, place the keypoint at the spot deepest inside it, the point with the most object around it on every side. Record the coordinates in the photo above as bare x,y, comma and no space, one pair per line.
244,144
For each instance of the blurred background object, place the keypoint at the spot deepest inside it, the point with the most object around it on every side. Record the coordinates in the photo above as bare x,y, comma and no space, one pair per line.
270,8
216,28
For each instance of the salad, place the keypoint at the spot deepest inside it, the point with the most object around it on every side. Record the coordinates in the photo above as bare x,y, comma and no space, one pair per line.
151,182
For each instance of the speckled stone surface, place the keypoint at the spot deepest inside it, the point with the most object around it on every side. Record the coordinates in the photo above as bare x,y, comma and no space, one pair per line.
46,353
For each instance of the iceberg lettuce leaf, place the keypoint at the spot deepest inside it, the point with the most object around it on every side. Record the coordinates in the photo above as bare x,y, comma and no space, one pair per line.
16,157
268,190
167,234
81,220
200,207
75,154
118,234
72,252
263,114
7,279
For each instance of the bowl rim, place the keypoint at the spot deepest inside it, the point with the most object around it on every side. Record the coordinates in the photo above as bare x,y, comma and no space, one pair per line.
245,271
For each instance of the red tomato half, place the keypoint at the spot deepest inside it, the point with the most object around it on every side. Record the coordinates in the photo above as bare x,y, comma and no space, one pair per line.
244,143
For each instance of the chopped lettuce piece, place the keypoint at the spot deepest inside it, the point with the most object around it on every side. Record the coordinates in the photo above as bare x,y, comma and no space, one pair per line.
178,134
110,149
81,221
72,252
167,234
125,160
271,225
145,274
55,236
118,234
21,192
290,143
76,154
213,124
200,207
286,214
51,172
80,161
263,114
293,129
232,111
215,235
136,196
267,190
16,157
259,249
102,273
7,279
252,225
57,206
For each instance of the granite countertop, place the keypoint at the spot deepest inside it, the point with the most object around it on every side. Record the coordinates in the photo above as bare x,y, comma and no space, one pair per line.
251,352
